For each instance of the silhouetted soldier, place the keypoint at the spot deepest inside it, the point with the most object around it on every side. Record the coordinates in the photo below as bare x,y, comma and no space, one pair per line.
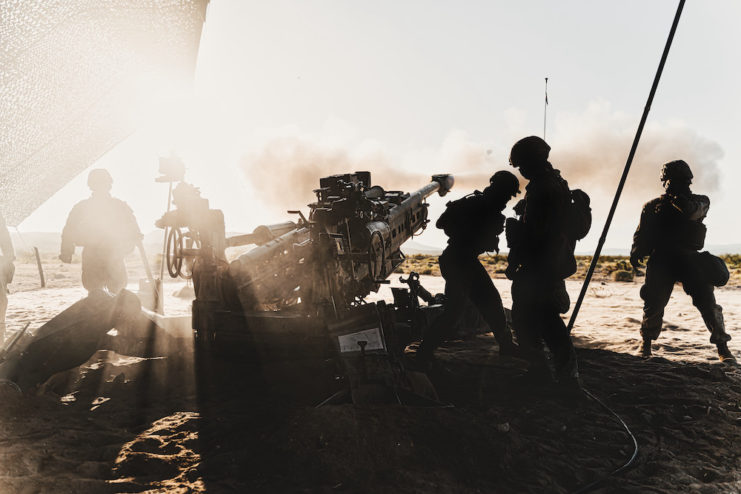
671,233
106,229
541,258
473,224
7,268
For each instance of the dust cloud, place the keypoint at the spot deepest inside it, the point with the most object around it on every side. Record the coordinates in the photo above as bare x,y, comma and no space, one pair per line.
590,149
285,169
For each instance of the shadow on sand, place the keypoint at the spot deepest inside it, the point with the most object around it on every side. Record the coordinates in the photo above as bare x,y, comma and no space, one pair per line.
142,424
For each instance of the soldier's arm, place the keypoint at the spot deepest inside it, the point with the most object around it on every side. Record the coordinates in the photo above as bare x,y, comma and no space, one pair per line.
69,235
643,237
130,234
542,215
132,225
494,226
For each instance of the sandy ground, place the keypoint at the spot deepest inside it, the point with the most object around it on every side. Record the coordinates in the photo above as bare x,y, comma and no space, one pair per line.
122,424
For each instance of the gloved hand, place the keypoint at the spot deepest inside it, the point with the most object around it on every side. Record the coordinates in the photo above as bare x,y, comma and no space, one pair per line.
513,231
65,258
510,271
636,261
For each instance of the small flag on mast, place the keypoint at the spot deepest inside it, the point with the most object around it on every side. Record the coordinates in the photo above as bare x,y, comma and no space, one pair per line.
546,90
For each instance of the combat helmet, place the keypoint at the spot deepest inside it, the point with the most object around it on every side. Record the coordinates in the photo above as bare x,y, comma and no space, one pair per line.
677,170
529,149
504,183
99,180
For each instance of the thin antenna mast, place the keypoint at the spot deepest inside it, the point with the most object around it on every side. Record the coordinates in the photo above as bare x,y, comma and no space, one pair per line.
629,162
545,107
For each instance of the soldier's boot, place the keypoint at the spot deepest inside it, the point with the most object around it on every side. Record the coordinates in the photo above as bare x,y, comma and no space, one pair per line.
423,359
644,349
507,347
718,335
724,353
510,350
653,319
569,386
538,375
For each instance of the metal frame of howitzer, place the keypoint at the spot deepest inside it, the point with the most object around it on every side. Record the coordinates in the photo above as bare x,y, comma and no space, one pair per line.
299,293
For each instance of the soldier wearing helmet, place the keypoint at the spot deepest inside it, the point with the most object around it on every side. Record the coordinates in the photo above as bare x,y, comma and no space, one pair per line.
106,229
541,257
670,233
473,225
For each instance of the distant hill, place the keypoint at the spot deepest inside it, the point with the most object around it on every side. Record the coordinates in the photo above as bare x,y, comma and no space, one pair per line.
724,248
47,242
411,247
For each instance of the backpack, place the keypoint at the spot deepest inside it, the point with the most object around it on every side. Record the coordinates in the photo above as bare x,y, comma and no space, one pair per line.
458,215
470,221
580,215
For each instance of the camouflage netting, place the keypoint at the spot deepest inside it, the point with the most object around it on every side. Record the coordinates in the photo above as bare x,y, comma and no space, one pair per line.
71,74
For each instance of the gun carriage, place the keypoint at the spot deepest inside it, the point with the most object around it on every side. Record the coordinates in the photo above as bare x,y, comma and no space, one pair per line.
300,292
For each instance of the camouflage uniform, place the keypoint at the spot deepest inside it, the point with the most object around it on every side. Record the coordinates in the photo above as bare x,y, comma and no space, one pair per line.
541,258
671,233
107,230
473,225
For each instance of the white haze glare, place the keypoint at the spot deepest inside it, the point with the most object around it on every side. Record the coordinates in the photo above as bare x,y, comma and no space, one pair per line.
286,92
279,168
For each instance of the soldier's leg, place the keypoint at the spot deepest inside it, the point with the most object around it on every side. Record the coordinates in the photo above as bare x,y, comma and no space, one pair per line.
487,300
93,270
526,323
554,330
116,275
457,282
655,292
704,299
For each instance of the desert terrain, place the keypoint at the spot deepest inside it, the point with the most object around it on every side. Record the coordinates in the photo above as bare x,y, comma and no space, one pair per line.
131,424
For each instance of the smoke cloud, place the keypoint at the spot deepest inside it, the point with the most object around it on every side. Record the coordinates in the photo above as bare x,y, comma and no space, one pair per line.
590,149
298,161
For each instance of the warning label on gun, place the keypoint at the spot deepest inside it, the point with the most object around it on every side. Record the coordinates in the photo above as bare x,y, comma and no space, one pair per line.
372,337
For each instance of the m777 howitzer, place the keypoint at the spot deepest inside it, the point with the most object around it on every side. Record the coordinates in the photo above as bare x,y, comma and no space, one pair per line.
299,293
349,245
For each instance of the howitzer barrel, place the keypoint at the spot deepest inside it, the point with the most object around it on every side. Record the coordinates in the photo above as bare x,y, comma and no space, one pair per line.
262,234
267,272
404,221
269,250
440,183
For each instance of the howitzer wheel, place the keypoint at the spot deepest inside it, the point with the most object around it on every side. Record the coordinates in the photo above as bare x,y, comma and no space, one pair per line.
179,253
174,252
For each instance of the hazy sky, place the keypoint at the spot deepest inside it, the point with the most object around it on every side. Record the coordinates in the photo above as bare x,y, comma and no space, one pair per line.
432,86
